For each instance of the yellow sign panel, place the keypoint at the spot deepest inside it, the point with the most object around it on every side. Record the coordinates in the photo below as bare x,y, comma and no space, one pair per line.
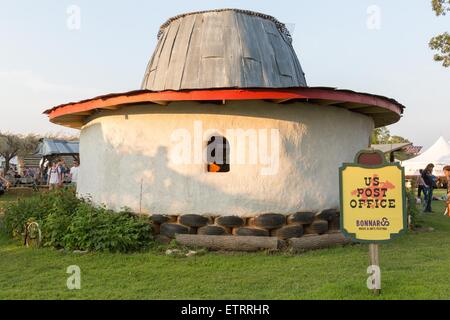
372,202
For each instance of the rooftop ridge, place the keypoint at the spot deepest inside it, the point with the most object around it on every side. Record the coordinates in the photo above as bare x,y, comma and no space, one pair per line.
280,26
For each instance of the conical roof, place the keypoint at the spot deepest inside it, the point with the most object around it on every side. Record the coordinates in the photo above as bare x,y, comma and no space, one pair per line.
226,55
227,48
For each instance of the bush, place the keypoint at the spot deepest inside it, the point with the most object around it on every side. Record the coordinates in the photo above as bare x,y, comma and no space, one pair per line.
412,209
55,228
17,214
96,228
72,223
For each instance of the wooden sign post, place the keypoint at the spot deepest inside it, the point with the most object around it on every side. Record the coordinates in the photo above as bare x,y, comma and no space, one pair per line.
374,283
373,207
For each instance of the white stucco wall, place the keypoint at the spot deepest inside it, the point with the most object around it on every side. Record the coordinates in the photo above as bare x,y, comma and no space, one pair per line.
132,147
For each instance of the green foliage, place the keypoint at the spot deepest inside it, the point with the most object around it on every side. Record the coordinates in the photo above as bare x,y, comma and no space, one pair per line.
55,229
413,211
441,43
382,136
72,223
96,228
16,214
398,139
440,7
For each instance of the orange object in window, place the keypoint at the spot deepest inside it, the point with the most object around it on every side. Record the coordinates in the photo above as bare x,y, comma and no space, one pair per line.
213,167
218,153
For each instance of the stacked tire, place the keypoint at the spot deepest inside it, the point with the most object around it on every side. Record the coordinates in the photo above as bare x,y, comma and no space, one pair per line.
268,224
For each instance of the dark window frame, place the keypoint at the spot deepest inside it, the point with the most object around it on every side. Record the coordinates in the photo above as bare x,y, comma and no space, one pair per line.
218,165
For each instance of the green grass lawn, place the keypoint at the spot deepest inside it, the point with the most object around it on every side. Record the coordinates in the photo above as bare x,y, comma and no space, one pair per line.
415,266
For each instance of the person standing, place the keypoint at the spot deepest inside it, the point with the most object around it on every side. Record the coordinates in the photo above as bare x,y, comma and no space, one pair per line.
4,184
53,175
420,185
74,173
427,176
447,177
61,172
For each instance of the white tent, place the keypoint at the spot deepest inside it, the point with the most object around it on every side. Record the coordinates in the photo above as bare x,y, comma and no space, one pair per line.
438,154
13,161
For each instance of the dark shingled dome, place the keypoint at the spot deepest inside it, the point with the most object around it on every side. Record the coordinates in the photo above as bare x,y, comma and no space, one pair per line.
227,48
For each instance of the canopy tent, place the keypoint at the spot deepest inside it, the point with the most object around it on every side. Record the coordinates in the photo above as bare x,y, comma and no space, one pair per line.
50,147
438,154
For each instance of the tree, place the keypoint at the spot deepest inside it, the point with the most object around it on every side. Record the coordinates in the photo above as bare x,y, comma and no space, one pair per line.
383,136
12,145
398,139
380,136
441,43
61,136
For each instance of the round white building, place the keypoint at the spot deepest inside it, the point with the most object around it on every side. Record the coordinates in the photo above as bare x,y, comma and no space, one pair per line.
224,125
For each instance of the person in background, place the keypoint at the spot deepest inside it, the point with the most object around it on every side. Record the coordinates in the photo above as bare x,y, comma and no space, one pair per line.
61,171
45,168
447,178
15,174
420,185
4,185
53,179
427,176
74,173
11,172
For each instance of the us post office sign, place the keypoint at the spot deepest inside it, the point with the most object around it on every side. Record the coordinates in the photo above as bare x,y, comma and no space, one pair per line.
372,201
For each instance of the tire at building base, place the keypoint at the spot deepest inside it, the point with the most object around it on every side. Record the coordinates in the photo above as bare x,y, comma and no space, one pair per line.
162,239
269,220
306,217
171,229
317,227
212,231
287,232
328,214
256,232
193,220
230,221
155,228
335,224
161,218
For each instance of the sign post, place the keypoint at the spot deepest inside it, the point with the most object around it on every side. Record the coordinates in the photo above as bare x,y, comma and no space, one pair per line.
373,207
374,282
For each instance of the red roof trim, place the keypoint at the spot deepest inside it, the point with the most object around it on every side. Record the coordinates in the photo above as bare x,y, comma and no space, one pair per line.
319,93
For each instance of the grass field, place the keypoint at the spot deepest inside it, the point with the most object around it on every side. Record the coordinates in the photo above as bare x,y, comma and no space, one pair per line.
415,266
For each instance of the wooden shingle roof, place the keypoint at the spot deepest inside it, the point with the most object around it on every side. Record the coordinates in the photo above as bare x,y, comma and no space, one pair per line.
227,48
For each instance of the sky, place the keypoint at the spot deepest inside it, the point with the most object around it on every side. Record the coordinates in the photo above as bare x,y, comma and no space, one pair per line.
57,51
